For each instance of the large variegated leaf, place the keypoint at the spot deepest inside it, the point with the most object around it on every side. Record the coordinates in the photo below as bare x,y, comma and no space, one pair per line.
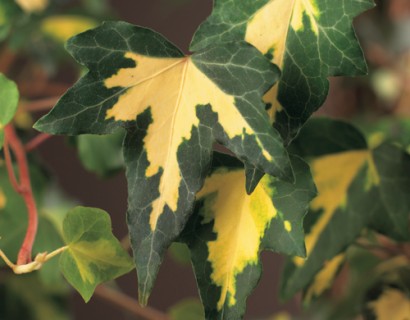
358,188
230,228
174,108
308,39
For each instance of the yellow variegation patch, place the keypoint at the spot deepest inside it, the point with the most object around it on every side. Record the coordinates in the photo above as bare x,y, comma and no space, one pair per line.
183,87
323,280
3,199
100,252
393,304
32,5
333,175
240,221
63,27
268,31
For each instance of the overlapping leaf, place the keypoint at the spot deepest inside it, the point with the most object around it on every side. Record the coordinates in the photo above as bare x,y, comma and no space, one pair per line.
9,97
101,154
308,39
358,188
231,228
94,255
174,108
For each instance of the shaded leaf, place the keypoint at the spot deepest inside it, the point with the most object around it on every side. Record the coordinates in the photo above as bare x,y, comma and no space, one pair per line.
94,255
188,309
354,193
174,108
308,39
180,253
101,154
25,297
9,97
324,278
231,228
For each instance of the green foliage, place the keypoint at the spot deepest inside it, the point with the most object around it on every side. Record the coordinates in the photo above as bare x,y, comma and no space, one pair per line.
228,110
93,255
45,302
314,190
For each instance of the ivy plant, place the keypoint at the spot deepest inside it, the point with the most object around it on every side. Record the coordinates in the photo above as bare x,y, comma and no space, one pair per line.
220,154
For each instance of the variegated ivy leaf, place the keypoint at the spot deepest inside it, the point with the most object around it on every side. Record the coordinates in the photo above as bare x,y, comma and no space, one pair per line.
93,255
230,228
358,188
9,97
308,39
174,107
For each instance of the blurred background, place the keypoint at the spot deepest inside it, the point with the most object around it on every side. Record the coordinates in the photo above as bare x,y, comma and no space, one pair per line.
34,57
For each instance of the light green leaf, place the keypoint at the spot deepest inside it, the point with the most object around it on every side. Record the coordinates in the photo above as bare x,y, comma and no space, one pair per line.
308,39
213,95
9,97
231,228
94,255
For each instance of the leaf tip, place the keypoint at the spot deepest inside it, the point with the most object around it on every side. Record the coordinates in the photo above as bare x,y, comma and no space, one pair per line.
143,298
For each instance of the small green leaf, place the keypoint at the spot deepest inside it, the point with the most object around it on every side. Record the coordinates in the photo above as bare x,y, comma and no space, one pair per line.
9,97
94,255
188,309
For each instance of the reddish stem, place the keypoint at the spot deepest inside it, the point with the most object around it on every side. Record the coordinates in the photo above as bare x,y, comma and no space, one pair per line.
37,141
41,104
24,189
10,168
